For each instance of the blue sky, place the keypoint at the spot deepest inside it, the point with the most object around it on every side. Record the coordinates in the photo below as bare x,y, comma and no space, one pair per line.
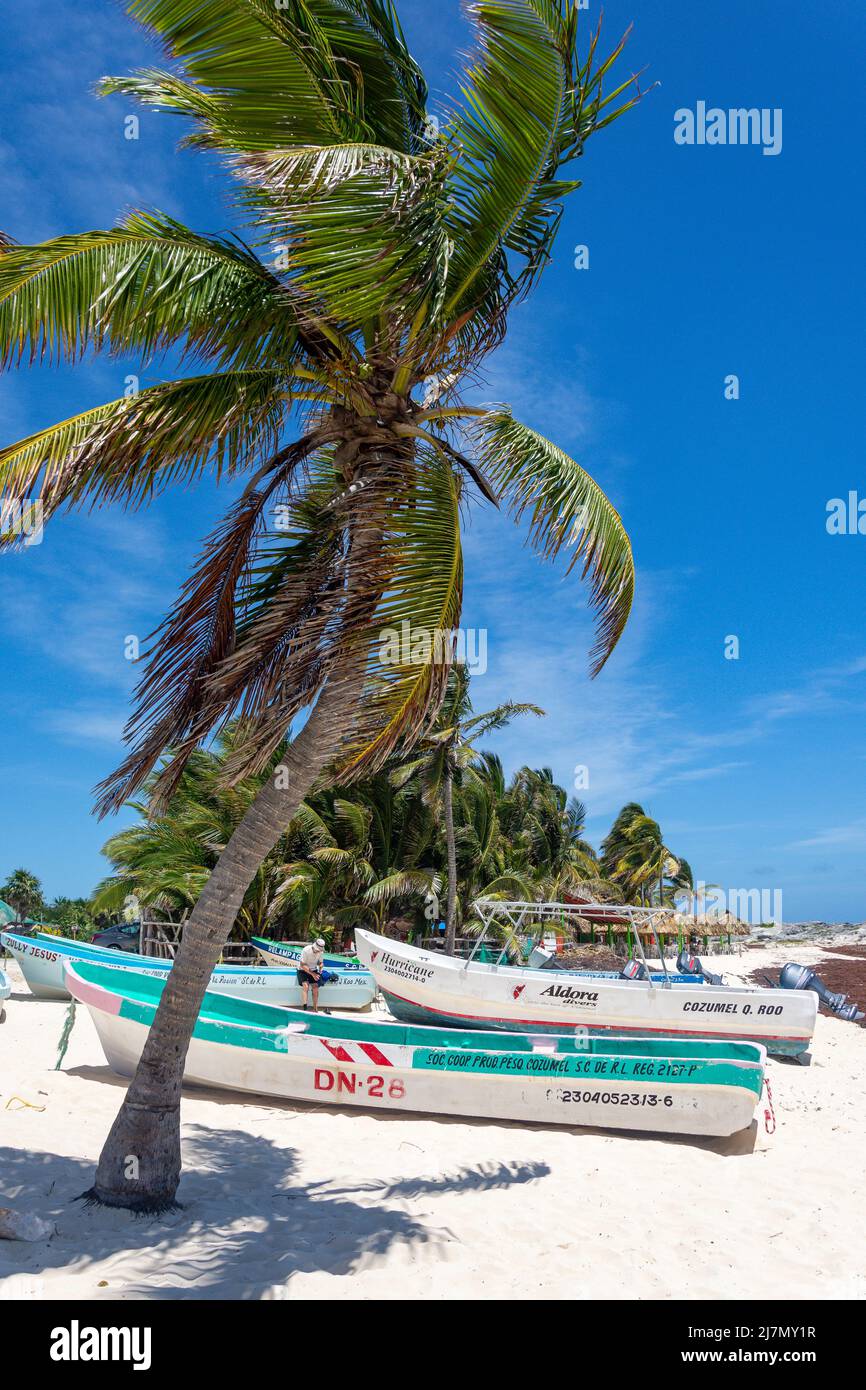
705,261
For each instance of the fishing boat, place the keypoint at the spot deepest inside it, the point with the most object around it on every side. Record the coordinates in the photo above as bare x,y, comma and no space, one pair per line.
676,1087
433,988
42,960
5,990
289,953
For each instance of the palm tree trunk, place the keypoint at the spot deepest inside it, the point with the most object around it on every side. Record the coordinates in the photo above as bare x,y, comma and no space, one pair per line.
140,1163
451,914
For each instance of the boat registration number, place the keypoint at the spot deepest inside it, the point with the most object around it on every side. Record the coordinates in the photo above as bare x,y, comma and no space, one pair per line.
350,1082
611,1097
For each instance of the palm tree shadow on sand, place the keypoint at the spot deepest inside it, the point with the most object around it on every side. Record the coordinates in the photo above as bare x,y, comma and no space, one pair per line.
246,1226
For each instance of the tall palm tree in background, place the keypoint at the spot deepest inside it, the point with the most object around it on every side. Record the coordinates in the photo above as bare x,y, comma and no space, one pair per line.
391,254
445,755
635,856
547,830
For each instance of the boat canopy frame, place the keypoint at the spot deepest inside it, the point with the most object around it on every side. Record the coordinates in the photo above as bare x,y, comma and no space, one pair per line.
514,913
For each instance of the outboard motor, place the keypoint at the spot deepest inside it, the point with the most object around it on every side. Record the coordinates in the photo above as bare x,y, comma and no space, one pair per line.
543,960
634,970
794,976
687,964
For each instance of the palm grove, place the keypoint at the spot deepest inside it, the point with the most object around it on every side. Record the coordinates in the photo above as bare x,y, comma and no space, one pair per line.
436,828
328,352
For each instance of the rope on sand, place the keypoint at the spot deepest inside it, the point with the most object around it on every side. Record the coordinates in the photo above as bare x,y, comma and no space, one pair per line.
68,1025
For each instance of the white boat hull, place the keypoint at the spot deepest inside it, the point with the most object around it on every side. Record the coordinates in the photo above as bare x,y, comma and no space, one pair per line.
307,1071
427,987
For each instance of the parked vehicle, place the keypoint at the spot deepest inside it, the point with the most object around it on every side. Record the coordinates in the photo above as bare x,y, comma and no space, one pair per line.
121,936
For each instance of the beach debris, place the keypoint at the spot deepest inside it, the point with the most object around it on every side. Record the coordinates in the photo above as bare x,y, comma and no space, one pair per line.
23,1104
793,976
23,1225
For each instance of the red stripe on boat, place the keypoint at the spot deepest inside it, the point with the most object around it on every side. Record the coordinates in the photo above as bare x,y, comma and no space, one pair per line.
339,1052
375,1055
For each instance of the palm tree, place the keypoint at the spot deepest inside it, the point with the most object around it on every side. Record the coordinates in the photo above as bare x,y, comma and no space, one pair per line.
361,860
484,858
635,856
23,891
391,254
445,755
546,829
74,915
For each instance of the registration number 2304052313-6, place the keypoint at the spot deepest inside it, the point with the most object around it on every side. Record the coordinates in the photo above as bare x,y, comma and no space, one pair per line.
611,1098
375,1087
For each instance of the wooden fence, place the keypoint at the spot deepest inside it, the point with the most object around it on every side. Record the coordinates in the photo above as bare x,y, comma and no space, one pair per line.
161,937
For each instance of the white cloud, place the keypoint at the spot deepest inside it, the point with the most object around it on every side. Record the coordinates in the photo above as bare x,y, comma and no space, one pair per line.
87,726
821,690
851,836
77,597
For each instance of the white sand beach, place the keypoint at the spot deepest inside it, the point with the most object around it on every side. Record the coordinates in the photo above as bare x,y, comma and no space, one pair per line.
296,1201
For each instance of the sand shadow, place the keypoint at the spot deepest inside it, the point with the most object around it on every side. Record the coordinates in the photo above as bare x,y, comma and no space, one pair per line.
486,1177
255,1224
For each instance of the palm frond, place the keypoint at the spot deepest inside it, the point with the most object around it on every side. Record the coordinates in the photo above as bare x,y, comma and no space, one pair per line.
499,718
566,509
585,111
140,287
362,228
400,884
514,95
260,75
198,635
131,449
409,646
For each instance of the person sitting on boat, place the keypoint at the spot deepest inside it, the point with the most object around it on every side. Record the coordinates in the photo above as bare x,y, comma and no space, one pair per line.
310,971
